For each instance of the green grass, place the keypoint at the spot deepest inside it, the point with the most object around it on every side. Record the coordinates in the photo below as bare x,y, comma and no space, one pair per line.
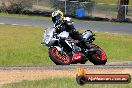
117,46
24,16
62,83
20,46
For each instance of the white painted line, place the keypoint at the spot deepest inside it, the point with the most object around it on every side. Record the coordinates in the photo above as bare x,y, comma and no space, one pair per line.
114,33
106,32
27,25
14,24
2,23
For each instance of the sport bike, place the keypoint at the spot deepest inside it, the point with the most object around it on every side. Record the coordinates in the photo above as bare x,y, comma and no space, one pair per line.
63,50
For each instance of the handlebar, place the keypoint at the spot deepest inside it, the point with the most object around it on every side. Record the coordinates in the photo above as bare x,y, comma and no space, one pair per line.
91,32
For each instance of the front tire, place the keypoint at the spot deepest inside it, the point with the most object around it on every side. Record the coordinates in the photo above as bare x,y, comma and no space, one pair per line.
97,59
58,58
83,62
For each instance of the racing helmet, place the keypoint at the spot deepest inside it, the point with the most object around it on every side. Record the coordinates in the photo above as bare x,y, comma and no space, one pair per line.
57,16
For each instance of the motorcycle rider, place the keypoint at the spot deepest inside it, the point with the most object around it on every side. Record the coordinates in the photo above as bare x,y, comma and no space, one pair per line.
62,23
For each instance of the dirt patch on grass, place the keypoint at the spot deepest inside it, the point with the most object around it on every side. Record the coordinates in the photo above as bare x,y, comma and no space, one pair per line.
12,76
9,76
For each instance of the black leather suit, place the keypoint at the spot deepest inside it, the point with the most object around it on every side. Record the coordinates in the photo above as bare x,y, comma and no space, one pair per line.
68,26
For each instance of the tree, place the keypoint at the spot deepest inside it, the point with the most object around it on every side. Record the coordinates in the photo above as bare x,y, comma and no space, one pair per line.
122,10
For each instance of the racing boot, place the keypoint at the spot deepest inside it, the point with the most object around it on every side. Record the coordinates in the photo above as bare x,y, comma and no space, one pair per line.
88,49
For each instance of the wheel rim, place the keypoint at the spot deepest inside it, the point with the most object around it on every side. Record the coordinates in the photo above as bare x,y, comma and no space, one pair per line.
62,58
102,56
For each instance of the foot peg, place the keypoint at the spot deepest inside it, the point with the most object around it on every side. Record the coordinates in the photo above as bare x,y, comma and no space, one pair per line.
42,43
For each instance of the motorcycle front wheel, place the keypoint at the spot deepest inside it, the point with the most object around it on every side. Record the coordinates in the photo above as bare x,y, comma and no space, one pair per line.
98,59
58,58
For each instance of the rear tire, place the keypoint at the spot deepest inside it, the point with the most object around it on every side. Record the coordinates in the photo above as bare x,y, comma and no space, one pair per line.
55,60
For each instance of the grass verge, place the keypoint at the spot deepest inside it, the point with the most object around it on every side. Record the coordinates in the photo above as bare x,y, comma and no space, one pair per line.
61,83
20,46
24,16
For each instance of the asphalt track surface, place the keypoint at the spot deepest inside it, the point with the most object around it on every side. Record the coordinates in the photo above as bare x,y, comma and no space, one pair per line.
112,65
90,25
64,67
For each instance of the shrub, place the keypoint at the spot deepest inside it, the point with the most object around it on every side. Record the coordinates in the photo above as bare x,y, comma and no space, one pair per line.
16,8
3,9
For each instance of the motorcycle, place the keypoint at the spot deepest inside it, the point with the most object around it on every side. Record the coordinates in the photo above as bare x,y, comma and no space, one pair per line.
63,50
